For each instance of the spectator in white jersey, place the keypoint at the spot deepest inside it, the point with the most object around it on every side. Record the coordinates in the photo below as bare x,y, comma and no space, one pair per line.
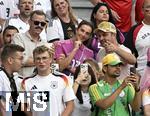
21,21
61,95
138,39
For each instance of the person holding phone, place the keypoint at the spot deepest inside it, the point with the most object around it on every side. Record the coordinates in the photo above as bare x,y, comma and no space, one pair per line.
110,96
84,77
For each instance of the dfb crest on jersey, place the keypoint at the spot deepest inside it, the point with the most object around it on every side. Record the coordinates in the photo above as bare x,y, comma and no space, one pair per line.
54,84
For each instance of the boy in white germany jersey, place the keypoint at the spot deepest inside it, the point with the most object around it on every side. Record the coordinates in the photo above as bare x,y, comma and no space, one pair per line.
59,93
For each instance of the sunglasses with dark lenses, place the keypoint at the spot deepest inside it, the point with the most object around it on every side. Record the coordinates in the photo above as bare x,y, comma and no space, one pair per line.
39,23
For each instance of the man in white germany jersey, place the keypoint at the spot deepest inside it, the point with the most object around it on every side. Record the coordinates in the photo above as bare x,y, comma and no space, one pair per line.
21,21
11,57
61,96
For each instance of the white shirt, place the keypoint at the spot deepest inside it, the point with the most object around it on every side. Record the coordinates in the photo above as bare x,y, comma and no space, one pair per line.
58,87
5,87
142,43
5,83
146,97
82,109
8,8
19,24
55,30
44,5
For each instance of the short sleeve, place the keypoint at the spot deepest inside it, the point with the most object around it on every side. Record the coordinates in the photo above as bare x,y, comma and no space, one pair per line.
53,31
1,85
94,93
58,50
130,93
146,97
68,92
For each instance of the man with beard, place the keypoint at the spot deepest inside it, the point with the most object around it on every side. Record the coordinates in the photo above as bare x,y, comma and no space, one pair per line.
30,40
21,21
111,96
8,34
106,34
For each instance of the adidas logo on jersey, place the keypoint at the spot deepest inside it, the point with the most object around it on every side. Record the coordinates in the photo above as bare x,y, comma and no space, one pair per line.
34,87
20,28
38,4
1,3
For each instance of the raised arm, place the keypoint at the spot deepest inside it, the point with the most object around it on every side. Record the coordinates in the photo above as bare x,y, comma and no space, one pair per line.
64,61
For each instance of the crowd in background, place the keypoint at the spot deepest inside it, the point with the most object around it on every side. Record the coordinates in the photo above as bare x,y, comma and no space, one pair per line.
99,67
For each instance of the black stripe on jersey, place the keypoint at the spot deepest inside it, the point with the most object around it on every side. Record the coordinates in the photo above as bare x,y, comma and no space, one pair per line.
2,69
32,76
20,77
23,81
58,74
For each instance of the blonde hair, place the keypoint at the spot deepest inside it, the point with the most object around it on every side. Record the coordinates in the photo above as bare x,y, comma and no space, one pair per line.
71,14
42,49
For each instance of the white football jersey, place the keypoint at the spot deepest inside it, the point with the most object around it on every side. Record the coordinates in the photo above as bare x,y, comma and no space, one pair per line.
8,8
44,5
59,88
19,24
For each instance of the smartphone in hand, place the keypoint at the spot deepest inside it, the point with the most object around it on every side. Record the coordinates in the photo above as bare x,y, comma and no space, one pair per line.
132,70
55,67
84,68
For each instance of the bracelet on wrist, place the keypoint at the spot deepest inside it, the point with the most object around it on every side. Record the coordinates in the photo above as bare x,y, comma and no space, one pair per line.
77,82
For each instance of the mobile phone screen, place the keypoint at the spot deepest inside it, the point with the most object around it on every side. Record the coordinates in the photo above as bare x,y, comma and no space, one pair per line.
84,68
55,67
132,70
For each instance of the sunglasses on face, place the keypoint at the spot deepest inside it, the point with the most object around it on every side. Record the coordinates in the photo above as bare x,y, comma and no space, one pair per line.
39,23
